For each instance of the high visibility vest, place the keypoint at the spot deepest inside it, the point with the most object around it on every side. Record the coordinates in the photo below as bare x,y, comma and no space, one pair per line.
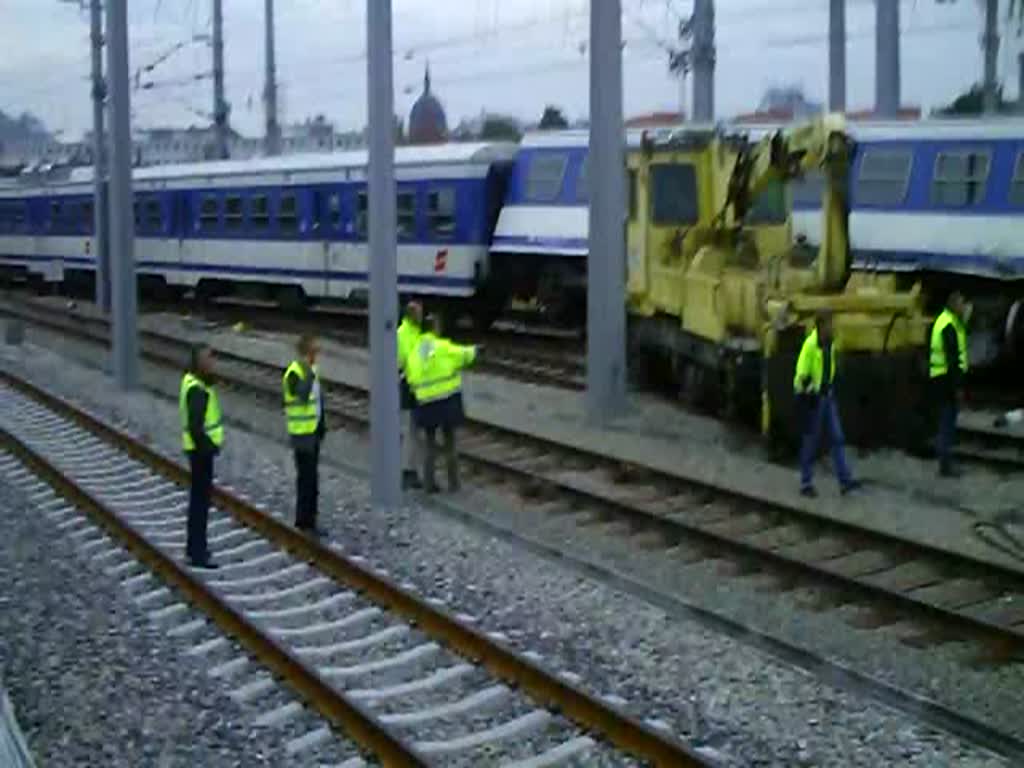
301,417
811,363
433,367
211,419
408,335
938,365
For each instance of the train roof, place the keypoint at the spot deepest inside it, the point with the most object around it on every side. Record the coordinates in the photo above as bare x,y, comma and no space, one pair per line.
680,133
470,153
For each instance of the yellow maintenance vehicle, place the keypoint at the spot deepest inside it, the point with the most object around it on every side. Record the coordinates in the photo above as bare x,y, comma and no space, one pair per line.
720,300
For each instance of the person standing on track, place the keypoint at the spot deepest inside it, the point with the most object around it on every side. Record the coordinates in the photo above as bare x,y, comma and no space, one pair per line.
202,435
408,335
434,373
307,425
814,384
947,368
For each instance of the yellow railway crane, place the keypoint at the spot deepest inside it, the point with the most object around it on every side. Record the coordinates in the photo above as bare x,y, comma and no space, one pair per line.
719,294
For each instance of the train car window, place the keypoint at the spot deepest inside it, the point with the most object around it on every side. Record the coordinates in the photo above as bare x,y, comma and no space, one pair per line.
960,178
441,212
808,191
362,214
406,209
1017,183
583,181
544,177
154,216
87,216
884,176
334,210
209,212
54,215
674,189
233,212
137,214
769,207
631,191
259,212
288,214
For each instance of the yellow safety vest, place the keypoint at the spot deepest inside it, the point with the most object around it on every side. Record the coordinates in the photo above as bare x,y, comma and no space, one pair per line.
811,363
301,417
433,367
408,335
938,365
211,419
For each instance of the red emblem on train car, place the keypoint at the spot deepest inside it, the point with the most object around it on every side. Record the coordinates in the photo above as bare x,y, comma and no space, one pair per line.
441,260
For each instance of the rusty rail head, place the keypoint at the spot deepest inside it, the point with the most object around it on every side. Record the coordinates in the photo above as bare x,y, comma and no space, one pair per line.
345,714
589,712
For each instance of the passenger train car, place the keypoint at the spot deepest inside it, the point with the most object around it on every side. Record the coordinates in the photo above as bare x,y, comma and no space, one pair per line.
940,202
288,228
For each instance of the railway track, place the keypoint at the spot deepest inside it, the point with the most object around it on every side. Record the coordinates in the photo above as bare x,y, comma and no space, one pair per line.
997,449
938,597
411,683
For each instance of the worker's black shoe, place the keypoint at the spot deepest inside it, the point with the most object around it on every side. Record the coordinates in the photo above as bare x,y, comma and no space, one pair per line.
203,565
850,487
410,480
809,492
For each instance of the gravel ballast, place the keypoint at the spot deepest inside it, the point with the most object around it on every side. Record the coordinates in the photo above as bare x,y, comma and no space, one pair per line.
700,684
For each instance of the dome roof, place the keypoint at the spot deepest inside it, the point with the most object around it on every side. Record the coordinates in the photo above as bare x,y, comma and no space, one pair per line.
428,123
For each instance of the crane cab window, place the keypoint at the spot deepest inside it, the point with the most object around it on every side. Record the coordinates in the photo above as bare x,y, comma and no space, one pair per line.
259,213
441,212
674,191
631,193
544,177
1017,183
960,178
769,207
405,206
884,176
288,214
209,213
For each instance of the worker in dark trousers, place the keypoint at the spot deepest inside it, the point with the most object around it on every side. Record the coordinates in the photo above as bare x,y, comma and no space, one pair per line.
307,425
408,334
202,435
434,372
947,368
814,385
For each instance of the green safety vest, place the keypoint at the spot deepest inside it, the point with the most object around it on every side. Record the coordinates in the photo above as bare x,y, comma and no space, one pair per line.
938,365
433,367
211,419
300,416
408,335
811,363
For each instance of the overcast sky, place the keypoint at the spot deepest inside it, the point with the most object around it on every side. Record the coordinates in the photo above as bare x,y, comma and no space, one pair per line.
511,56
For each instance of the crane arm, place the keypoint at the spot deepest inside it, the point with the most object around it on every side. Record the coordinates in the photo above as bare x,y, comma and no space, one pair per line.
785,155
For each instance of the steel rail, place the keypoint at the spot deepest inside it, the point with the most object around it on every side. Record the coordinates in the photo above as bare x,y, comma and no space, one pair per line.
355,721
590,712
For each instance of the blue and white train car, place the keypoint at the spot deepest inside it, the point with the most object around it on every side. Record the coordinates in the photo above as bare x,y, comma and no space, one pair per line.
291,227
941,202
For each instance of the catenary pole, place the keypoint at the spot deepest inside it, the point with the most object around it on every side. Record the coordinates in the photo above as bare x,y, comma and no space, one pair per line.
125,352
273,137
704,61
220,106
887,58
606,263
991,44
384,432
101,233
837,56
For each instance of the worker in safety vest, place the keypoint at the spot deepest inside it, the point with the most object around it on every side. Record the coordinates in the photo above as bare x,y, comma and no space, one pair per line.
814,384
408,334
307,425
202,435
947,368
433,370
